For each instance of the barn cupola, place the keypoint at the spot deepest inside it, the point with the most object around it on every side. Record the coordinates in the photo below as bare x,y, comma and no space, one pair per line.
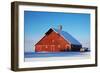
60,28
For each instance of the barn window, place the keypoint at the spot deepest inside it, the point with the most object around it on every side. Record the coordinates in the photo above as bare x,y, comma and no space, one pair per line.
39,47
46,46
52,40
67,46
58,46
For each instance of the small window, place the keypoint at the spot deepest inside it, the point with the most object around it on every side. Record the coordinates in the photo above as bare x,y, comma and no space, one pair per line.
58,46
46,46
67,46
52,40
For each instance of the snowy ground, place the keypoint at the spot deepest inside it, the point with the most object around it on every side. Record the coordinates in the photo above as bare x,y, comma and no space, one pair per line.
30,57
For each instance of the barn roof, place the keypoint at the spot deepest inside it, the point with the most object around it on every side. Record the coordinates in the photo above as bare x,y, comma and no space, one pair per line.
67,37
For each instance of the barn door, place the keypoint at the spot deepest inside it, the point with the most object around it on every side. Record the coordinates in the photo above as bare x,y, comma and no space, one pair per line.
52,48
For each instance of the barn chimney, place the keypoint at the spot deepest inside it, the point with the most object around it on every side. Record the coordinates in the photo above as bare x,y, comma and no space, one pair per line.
60,28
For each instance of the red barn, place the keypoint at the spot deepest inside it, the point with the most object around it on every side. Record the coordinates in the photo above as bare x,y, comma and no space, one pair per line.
56,40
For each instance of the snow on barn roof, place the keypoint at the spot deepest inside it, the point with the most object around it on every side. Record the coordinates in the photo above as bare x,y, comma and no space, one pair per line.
67,36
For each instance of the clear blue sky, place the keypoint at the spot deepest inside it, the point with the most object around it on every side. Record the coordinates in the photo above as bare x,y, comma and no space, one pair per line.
37,23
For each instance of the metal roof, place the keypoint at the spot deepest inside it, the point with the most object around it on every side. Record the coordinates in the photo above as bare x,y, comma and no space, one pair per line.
67,37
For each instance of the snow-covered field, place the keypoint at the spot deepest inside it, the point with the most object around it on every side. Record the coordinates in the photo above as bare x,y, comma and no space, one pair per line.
30,57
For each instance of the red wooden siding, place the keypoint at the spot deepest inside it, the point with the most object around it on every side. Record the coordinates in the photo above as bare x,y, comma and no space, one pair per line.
52,42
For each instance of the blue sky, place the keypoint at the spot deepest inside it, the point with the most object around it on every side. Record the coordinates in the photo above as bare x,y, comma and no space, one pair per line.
37,23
